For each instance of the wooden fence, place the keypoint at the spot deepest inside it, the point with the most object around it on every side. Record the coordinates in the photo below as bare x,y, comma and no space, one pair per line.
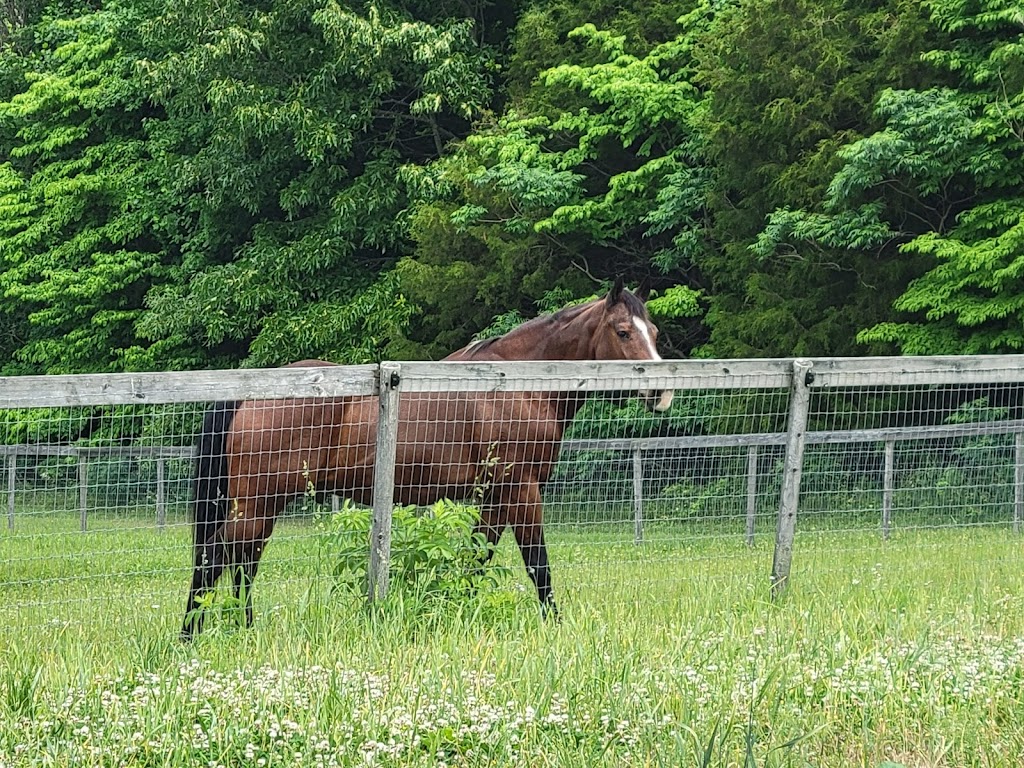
389,381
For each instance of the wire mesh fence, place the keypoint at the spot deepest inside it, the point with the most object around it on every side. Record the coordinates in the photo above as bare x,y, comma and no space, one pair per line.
617,502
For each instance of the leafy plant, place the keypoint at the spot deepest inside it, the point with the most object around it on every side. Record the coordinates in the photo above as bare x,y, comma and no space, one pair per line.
436,554
220,609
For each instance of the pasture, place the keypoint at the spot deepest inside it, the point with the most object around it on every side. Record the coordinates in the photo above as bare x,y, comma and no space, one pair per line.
905,652
898,642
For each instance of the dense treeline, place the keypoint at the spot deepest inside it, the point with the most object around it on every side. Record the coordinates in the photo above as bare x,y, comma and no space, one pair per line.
192,184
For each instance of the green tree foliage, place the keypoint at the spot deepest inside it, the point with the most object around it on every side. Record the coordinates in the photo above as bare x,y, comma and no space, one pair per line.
616,185
544,39
195,184
75,249
938,187
282,152
793,81
17,16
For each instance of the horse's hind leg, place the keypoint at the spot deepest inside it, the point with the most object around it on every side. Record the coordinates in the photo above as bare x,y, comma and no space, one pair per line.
211,510
244,572
210,561
249,528
247,563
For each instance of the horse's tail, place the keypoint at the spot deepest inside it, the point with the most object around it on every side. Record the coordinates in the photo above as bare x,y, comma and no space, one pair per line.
211,488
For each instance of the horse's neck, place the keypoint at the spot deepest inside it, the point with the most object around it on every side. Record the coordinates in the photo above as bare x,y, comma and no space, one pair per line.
570,341
539,342
536,341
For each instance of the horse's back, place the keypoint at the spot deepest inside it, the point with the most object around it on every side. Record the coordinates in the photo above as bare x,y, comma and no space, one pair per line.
311,363
446,442
277,448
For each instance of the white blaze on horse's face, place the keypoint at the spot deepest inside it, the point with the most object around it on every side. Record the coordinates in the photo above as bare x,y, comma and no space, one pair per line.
644,329
645,333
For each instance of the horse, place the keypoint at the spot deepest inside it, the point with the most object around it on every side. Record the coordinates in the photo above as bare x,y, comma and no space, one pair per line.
255,456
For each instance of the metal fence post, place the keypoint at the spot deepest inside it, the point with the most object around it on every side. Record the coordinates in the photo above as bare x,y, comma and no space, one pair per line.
638,495
887,487
384,479
83,491
751,492
799,401
12,468
161,495
1018,480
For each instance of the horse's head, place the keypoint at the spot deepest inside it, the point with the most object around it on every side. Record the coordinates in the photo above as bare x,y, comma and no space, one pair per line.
616,327
626,332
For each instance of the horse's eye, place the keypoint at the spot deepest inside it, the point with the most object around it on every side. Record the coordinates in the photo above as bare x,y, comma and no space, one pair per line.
623,334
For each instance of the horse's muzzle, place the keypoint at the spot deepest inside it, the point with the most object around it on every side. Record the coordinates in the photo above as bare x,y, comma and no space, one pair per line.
659,401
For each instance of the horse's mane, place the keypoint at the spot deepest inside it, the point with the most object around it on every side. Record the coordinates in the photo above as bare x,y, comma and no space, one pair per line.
480,344
566,314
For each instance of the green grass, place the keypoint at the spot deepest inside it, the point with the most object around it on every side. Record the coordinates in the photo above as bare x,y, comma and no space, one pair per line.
908,652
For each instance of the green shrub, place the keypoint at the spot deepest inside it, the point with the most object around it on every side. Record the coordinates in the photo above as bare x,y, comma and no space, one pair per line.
436,553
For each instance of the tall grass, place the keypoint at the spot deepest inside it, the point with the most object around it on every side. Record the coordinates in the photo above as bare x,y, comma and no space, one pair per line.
909,652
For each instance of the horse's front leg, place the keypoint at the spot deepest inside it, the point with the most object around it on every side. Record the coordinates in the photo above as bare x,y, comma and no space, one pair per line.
490,528
490,525
522,506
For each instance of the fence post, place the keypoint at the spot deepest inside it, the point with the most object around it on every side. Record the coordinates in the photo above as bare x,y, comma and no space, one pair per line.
12,468
887,487
1018,480
161,502
799,401
751,492
638,495
83,491
384,479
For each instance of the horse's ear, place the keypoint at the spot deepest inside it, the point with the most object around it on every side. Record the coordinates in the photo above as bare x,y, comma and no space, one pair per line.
643,291
616,292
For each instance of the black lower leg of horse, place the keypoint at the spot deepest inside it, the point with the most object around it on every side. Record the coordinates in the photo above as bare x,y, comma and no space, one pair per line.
245,572
535,557
210,561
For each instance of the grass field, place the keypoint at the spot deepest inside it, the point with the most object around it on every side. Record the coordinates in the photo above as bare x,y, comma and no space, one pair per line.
908,653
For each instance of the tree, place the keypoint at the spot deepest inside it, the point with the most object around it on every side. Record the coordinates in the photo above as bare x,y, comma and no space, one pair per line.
544,38
76,256
196,184
15,16
542,207
938,188
287,132
791,83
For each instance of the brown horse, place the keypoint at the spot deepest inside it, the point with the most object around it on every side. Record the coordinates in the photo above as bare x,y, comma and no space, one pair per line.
256,456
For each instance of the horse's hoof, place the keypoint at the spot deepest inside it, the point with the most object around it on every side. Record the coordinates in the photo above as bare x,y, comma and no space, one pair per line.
549,612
